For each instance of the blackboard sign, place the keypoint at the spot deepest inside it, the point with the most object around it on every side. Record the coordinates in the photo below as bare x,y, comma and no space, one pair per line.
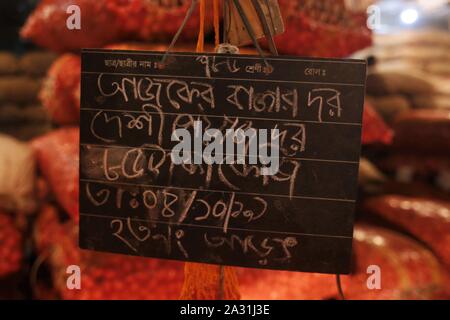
136,199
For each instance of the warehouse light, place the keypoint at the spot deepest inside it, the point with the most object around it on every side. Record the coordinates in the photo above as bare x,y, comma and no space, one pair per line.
409,16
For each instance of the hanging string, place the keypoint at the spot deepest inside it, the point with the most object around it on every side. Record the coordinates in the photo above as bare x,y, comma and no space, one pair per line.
250,31
201,33
37,264
339,286
180,29
226,20
216,23
265,25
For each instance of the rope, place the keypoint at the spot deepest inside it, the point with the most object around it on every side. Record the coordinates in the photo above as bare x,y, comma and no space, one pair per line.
339,286
265,25
250,31
201,33
216,23
35,269
180,29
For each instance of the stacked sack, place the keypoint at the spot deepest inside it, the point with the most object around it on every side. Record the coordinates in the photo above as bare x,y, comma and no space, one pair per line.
325,28
22,117
104,276
420,150
409,86
21,114
425,218
312,29
11,251
109,21
10,246
411,72
409,270
18,200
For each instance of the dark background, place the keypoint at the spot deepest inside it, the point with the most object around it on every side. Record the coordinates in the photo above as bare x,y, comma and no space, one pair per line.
13,14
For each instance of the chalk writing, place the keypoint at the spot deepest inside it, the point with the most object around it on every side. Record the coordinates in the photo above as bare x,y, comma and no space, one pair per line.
135,200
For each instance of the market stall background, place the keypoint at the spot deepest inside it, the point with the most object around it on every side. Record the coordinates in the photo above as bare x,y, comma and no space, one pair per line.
403,215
